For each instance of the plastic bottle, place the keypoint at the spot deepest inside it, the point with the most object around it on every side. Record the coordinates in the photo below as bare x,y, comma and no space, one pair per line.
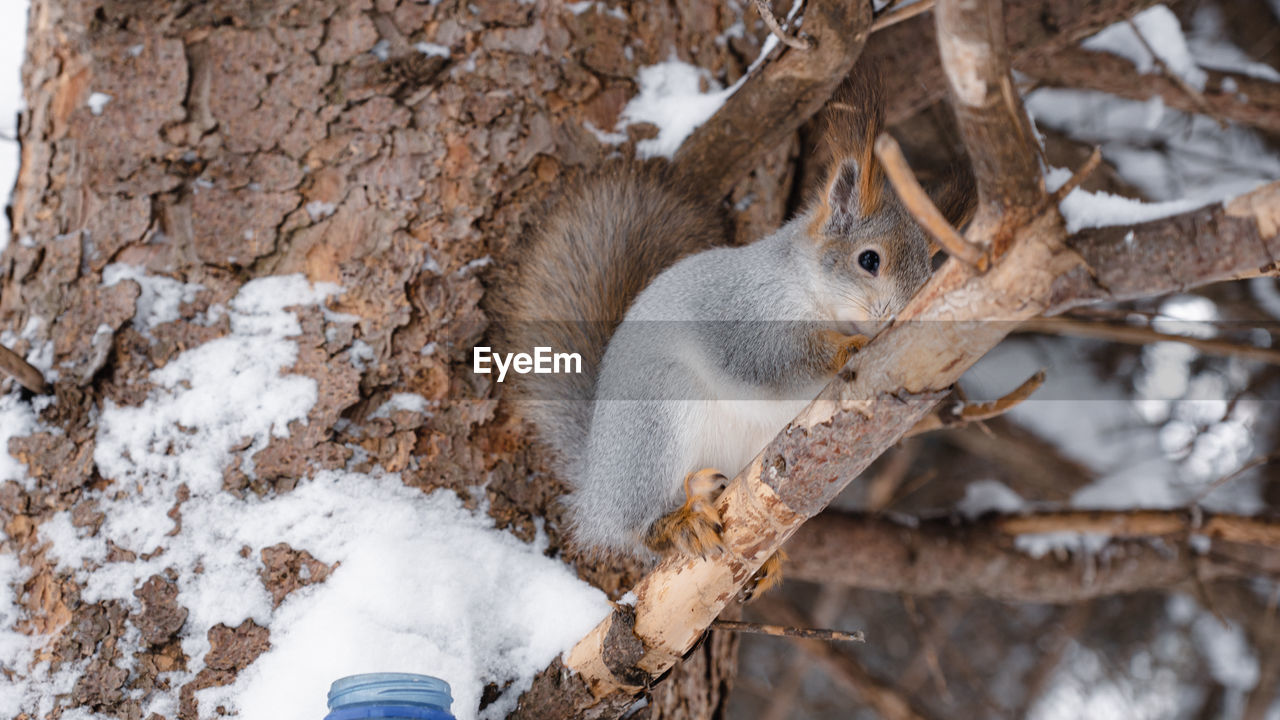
389,696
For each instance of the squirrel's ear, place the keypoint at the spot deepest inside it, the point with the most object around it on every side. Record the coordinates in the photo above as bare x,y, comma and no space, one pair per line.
850,122
842,189
849,194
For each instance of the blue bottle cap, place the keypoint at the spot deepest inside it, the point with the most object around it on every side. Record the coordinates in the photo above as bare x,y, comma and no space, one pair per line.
389,695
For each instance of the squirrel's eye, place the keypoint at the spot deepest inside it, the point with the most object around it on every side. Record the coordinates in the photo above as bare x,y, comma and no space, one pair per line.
869,260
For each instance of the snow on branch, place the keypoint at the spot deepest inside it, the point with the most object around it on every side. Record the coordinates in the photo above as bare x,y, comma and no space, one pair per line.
1228,241
777,98
1230,96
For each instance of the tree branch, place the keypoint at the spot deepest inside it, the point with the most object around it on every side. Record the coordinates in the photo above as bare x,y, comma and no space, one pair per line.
1141,335
823,634
22,371
1037,30
958,413
941,556
881,393
886,700
1219,242
776,99
1230,96
921,207
990,117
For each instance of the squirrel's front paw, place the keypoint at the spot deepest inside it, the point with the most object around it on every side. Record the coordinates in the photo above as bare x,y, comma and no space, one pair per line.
694,528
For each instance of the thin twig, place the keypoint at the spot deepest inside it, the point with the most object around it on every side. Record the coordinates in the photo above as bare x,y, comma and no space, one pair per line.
1147,523
921,207
886,700
1196,96
1138,335
905,13
964,413
924,630
1255,462
785,631
22,371
766,14
826,611
1079,176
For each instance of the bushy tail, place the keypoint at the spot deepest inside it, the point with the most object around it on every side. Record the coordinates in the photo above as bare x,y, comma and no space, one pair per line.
613,231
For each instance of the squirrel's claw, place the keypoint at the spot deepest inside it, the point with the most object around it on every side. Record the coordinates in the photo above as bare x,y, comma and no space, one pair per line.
694,528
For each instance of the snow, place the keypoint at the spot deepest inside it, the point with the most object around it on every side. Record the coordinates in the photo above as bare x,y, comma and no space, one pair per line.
1087,684
1208,43
160,297
1183,161
1158,444
97,102
401,402
15,648
424,586
672,98
1037,545
678,97
320,210
1161,30
1178,160
1231,660
427,48
1084,209
211,397
17,419
984,496
421,584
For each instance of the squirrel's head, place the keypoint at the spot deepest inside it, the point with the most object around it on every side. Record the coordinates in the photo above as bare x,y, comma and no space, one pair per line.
871,254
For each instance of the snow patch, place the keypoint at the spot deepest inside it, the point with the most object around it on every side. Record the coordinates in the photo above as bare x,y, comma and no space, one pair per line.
428,48
1161,30
98,101
160,296
1037,545
402,402
424,586
1084,209
986,496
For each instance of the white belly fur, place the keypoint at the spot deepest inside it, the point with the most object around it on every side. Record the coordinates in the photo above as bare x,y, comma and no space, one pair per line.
730,433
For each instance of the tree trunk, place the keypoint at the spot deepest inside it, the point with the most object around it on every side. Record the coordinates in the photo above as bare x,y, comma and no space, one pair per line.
215,143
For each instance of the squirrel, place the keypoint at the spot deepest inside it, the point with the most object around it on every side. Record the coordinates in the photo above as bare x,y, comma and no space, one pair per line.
632,270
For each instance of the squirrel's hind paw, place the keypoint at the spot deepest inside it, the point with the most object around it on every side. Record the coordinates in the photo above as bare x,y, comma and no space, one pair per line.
766,578
694,528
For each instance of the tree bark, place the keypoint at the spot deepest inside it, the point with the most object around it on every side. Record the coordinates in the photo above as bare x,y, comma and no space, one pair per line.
1147,551
215,143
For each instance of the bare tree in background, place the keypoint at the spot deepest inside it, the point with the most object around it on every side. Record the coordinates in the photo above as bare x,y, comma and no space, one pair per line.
244,139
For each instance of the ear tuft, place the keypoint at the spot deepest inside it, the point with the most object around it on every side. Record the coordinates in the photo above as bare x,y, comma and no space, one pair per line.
851,121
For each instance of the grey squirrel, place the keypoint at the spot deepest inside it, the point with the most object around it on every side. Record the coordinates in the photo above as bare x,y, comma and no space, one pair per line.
695,356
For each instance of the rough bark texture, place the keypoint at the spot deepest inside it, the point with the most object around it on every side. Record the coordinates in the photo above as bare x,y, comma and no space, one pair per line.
1216,243
243,139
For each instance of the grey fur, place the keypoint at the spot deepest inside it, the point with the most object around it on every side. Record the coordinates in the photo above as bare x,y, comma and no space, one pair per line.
724,325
